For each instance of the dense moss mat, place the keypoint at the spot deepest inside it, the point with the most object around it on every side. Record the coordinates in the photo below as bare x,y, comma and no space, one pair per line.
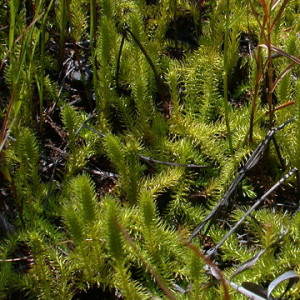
135,135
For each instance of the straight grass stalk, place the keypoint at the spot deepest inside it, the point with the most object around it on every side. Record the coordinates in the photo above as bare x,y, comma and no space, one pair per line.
13,11
62,29
42,73
255,96
42,77
259,72
226,106
93,24
267,10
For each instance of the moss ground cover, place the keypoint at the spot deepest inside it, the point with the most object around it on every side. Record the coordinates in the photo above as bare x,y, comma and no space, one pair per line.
149,149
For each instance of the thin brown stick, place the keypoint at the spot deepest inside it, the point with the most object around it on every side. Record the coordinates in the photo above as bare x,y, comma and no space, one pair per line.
209,262
253,207
45,249
259,71
255,13
251,162
281,10
283,53
266,9
191,166
261,25
159,281
282,106
281,75
18,38
4,125
32,256
255,96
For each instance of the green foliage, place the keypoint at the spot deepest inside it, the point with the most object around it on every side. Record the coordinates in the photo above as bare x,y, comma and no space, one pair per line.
105,199
126,161
148,209
72,121
80,206
113,234
203,75
78,19
108,8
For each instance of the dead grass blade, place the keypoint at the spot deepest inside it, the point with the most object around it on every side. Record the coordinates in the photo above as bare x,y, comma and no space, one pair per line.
256,292
18,39
282,74
283,53
274,4
281,10
291,276
4,133
256,15
251,162
249,263
189,166
252,261
253,207
250,290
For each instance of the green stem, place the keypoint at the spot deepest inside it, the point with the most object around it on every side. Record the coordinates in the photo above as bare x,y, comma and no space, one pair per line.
42,77
226,106
93,24
62,29
256,91
13,11
42,73
270,71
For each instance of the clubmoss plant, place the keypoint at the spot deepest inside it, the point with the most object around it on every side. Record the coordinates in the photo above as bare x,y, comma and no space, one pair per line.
106,197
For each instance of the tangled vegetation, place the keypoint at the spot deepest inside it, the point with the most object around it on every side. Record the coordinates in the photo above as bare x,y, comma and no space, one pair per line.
149,149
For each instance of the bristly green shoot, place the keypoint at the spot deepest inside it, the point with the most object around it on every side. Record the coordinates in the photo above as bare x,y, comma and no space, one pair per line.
115,221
